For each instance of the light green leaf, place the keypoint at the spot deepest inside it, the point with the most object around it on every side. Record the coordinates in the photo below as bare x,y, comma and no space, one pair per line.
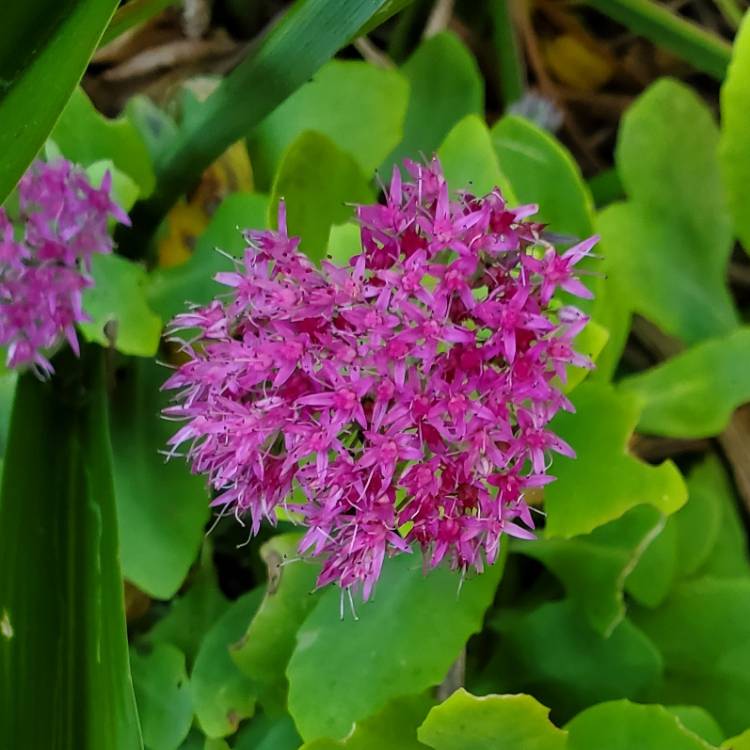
64,673
162,507
344,242
317,180
703,632
669,245
359,107
492,722
193,613
222,695
698,721
553,652
85,136
445,85
655,571
124,190
404,641
162,692
469,160
171,289
622,725
734,148
264,652
117,302
604,480
395,728
741,742
44,49
594,567
695,393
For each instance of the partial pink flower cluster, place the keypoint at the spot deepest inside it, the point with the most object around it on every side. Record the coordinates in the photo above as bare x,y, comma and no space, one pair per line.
45,260
402,399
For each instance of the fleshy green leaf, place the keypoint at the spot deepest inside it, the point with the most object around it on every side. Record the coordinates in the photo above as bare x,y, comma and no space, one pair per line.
469,160
734,150
698,721
741,742
162,692
703,632
359,107
653,576
64,673
554,653
269,642
594,567
193,613
117,302
222,695
317,180
622,725
404,641
264,733
44,49
444,86
695,393
171,289
669,245
604,480
85,136
395,728
162,507
492,722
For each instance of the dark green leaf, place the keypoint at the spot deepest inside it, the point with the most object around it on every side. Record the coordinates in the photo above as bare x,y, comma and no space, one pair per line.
162,692
44,49
162,507
264,733
64,674
317,180
404,641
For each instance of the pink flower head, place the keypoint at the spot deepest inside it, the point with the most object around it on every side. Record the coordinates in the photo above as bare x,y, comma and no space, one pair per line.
45,260
405,398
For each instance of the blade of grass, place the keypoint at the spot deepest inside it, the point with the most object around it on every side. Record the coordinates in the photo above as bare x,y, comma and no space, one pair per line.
511,67
310,33
705,51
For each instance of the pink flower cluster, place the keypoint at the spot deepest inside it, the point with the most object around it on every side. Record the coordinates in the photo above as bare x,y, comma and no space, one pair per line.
402,399
45,266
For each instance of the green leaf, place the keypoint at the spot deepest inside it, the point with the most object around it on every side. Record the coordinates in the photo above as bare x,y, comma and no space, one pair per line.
85,136
264,733
356,105
652,577
162,692
492,722
395,728
594,567
44,49
162,507
554,653
734,149
131,14
117,302
703,632
669,245
469,160
741,742
695,393
222,695
404,641
445,85
604,480
317,180
64,674
193,613
309,34
171,289
543,171
264,652
622,725
698,721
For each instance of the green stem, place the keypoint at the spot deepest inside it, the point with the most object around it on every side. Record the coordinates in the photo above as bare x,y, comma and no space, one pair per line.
702,49
731,12
309,34
511,66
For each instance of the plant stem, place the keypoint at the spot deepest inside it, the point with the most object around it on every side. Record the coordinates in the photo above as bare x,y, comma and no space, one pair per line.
705,51
511,66
731,12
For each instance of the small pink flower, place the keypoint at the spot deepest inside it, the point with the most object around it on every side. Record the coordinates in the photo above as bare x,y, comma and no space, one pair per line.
407,395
